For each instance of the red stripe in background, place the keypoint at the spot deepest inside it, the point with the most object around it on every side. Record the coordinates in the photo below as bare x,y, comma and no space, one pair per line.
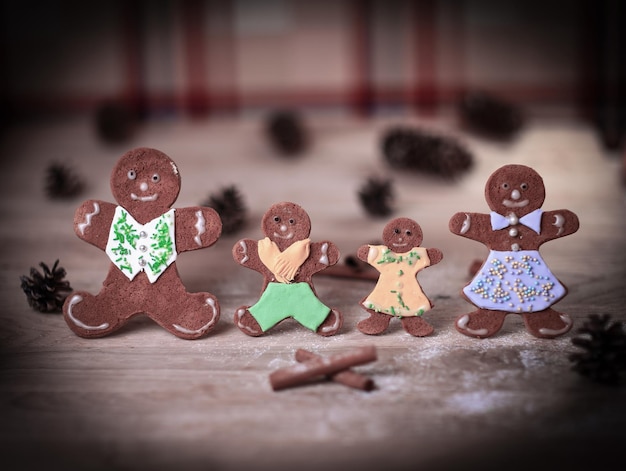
197,98
454,90
361,97
426,87
224,56
134,93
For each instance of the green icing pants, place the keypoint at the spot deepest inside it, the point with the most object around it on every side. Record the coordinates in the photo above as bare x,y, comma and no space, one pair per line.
280,301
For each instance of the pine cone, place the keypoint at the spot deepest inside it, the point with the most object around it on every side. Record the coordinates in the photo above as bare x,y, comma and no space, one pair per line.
604,358
115,122
62,182
229,204
46,292
376,196
287,132
422,151
490,116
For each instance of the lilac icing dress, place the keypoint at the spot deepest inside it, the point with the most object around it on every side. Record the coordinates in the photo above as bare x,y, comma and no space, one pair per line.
516,280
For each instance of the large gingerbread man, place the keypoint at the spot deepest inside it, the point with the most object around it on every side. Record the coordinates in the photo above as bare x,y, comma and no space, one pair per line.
397,292
142,236
514,278
287,259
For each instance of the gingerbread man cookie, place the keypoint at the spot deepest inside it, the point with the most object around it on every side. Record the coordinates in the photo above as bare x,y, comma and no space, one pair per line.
397,292
514,278
142,236
287,259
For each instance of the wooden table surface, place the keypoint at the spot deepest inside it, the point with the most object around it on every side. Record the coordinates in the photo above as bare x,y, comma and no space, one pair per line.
144,399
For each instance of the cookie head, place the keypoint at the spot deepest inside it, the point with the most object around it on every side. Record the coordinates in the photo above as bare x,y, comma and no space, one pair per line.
285,223
402,234
515,188
145,181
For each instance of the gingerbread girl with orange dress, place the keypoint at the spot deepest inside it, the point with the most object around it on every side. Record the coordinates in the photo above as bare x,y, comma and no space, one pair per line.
397,292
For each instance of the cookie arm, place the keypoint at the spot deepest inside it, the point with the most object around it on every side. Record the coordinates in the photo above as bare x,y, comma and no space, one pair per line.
92,222
323,255
558,223
362,252
435,256
246,253
196,227
475,226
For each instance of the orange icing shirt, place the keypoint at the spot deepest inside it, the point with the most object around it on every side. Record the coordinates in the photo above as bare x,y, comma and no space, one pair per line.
397,291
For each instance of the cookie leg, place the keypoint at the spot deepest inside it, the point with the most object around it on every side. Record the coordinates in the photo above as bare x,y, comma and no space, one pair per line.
247,323
375,324
190,317
547,324
481,323
91,316
331,324
417,326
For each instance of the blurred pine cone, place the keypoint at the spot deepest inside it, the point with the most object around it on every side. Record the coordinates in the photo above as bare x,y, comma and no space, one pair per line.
62,182
418,150
489,116
604,357
115,122
46,292
287,133
377,196
229,204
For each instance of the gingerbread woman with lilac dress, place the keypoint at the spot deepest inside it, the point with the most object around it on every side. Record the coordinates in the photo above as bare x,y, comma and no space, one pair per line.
397,292
142,235
514,278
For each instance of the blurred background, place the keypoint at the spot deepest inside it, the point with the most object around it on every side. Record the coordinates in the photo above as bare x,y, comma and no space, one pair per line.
209,58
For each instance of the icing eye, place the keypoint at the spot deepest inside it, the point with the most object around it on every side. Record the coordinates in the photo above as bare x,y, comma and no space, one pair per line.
505,186
132,174
396,231
276,219
292,221
524,186
156,178
408,233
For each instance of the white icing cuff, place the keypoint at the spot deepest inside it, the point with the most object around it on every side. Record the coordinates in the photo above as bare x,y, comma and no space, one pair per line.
200,227
84,225
75,300
324,257
209,302
466,224
568,323
245,252
559,221
462,324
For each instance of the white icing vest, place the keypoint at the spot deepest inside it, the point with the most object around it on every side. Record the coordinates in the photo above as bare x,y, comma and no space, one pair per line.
134,247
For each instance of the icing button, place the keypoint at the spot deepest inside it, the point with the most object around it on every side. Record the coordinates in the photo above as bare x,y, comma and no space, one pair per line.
513,232
143,248
515,247
143,234
513,219
142,262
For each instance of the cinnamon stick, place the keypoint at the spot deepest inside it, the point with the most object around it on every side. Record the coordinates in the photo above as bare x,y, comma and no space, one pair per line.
346,377
344,271
302,372
353,268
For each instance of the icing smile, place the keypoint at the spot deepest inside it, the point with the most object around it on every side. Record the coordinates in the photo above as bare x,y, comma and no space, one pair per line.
288,236
400,245
153,197
515,204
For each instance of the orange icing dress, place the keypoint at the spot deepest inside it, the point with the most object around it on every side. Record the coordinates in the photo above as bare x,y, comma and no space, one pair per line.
397,291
